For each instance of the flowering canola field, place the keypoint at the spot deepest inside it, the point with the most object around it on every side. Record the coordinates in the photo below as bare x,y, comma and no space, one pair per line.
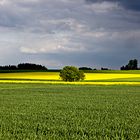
53,78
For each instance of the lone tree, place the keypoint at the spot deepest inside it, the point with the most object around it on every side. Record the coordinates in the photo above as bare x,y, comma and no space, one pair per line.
71,74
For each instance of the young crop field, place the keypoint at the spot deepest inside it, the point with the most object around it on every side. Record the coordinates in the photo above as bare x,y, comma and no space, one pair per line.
79,112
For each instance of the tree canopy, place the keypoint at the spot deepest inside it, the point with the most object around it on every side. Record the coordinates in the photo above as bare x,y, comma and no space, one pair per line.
132,65
71,74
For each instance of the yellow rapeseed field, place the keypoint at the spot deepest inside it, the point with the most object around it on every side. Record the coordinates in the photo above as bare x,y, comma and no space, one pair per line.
53,78
107,76
70,83
31,75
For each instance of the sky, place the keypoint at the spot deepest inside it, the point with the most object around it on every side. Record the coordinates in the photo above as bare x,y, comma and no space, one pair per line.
55,33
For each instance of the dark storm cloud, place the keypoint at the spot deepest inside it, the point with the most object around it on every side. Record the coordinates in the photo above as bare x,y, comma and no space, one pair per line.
128,4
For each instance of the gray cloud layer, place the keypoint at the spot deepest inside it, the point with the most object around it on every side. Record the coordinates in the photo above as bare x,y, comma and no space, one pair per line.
96,33
128,4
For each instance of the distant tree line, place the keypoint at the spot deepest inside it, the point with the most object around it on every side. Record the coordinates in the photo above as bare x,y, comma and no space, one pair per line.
132,65
23,66
88,69
85,68
104,68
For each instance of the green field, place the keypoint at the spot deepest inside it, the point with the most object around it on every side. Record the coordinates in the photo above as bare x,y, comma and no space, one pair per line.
61,112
